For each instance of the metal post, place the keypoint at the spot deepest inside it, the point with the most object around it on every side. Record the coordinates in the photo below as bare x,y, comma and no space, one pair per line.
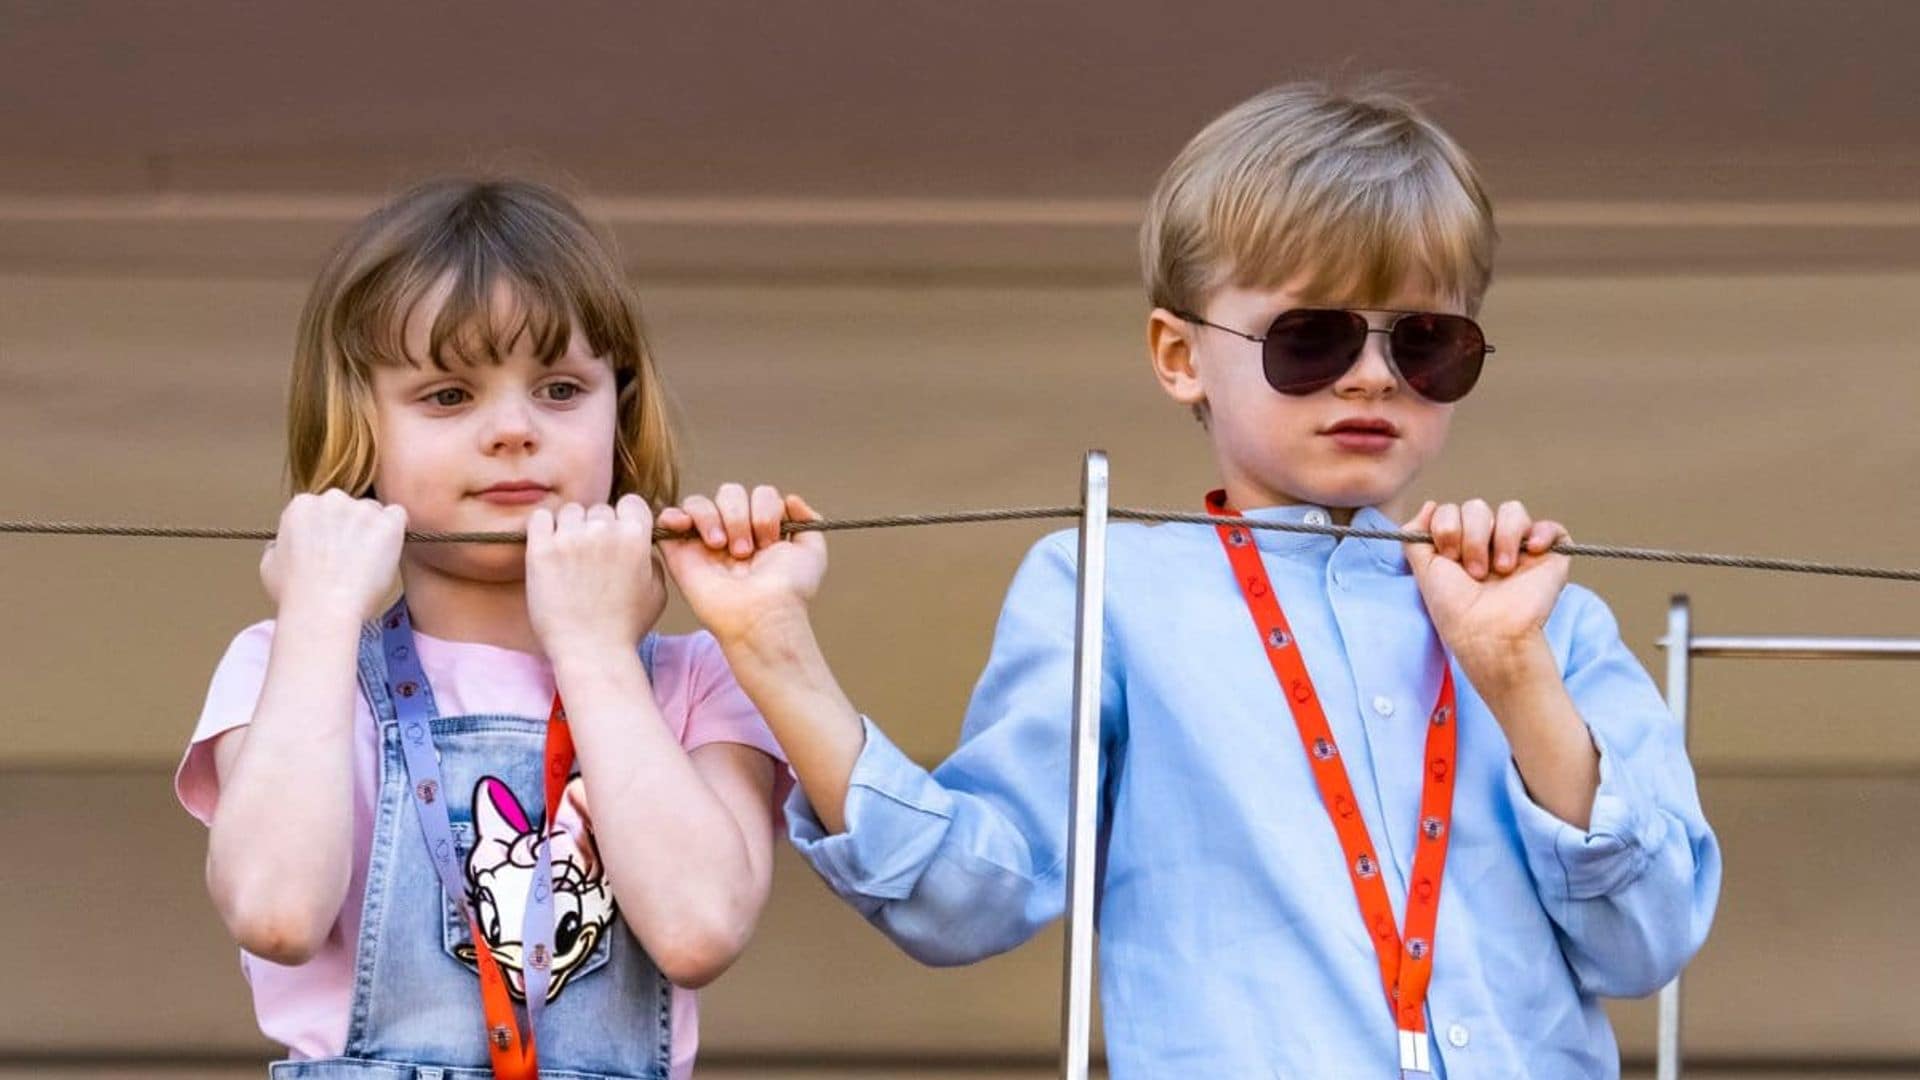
1682,646
1679,646
1076,994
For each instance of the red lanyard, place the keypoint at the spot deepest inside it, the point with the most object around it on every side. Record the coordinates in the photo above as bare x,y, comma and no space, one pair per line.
1406,962
514,1057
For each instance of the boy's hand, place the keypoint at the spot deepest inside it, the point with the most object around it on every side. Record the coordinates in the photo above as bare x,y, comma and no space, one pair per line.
333,555
1487,583
591,578
741,572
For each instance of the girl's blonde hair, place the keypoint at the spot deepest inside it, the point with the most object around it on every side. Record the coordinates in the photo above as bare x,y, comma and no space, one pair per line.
1350,197
471,238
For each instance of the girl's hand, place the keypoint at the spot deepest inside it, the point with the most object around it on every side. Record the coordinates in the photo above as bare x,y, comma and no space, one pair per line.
1486,580
591,578
741,572
334,555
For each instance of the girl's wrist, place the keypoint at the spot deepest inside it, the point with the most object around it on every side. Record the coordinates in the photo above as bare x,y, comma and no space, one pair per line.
321,610
588,650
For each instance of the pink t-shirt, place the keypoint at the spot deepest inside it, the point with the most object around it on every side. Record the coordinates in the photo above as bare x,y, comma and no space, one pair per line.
306,1008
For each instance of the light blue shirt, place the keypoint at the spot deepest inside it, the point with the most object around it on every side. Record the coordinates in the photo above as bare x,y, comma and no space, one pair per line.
1231,944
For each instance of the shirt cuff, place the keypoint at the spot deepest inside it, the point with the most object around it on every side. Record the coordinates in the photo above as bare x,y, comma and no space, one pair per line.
1621,836
897,816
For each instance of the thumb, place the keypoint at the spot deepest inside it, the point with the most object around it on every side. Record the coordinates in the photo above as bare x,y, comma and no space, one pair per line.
812,540
270,573
1420,555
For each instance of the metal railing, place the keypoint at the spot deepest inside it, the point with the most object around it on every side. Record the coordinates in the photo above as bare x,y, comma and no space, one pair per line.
1682,646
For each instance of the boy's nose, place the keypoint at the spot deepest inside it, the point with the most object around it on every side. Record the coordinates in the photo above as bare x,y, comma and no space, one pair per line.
1370,374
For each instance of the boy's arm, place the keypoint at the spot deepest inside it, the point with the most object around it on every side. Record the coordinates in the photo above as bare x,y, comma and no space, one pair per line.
778,662
955,865
1603,794
1633,888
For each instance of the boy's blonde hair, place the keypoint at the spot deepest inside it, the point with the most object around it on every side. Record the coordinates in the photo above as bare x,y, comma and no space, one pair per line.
1350,197
474,237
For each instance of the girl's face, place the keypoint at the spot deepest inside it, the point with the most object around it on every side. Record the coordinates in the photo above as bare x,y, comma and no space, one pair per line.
477,447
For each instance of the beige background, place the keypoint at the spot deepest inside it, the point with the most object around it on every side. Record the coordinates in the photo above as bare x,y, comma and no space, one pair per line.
885,258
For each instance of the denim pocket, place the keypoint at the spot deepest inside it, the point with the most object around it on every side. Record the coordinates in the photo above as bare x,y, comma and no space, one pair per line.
582,934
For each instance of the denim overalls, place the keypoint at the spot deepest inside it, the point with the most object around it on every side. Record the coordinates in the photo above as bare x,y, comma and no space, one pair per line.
416,998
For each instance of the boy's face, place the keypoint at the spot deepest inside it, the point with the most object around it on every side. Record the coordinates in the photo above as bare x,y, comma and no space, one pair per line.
1357,443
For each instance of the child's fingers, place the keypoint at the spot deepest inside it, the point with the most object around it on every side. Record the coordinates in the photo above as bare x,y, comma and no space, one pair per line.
705,518
736,516
1511,526
674,519
799,510
570,517
540,526
1476,536
1544,535
1446,531
600,512
633,512
769,511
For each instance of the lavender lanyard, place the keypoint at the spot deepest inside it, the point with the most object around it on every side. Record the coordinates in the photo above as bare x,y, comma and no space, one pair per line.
407,687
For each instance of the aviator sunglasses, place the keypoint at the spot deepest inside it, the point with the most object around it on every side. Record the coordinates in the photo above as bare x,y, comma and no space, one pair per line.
1307,350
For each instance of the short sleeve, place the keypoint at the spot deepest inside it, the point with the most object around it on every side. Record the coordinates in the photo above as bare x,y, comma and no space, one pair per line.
231,697
719,711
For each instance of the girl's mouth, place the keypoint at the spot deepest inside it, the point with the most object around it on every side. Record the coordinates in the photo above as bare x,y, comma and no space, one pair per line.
514,493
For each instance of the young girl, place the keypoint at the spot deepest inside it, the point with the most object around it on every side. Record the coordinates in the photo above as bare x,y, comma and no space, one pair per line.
418,879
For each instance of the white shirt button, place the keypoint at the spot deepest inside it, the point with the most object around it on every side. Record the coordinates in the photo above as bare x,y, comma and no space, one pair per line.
1383,705
1458,1035
1316,517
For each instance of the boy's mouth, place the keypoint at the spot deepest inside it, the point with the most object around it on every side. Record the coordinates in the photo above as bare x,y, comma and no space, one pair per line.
1364,434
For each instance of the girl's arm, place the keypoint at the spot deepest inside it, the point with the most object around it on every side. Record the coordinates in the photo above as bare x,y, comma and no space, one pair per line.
280,847
687,838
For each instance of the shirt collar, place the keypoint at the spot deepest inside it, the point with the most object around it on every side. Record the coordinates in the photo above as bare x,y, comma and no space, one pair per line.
1388,554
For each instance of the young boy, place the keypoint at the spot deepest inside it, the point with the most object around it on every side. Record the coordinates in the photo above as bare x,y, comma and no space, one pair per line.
1365,810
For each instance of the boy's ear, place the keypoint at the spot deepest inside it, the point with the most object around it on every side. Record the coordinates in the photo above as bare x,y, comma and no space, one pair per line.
1170,341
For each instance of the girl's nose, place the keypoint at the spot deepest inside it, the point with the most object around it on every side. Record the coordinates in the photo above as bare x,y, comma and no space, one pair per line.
510,426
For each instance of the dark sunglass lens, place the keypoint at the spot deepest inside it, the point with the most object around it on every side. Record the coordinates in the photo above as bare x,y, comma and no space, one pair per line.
1309,349
1439,355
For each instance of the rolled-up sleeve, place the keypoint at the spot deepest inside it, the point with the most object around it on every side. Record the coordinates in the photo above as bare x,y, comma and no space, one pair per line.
1632,894
966,861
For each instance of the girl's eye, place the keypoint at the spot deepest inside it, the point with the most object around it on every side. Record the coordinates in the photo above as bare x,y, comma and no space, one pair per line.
562,391
448,397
